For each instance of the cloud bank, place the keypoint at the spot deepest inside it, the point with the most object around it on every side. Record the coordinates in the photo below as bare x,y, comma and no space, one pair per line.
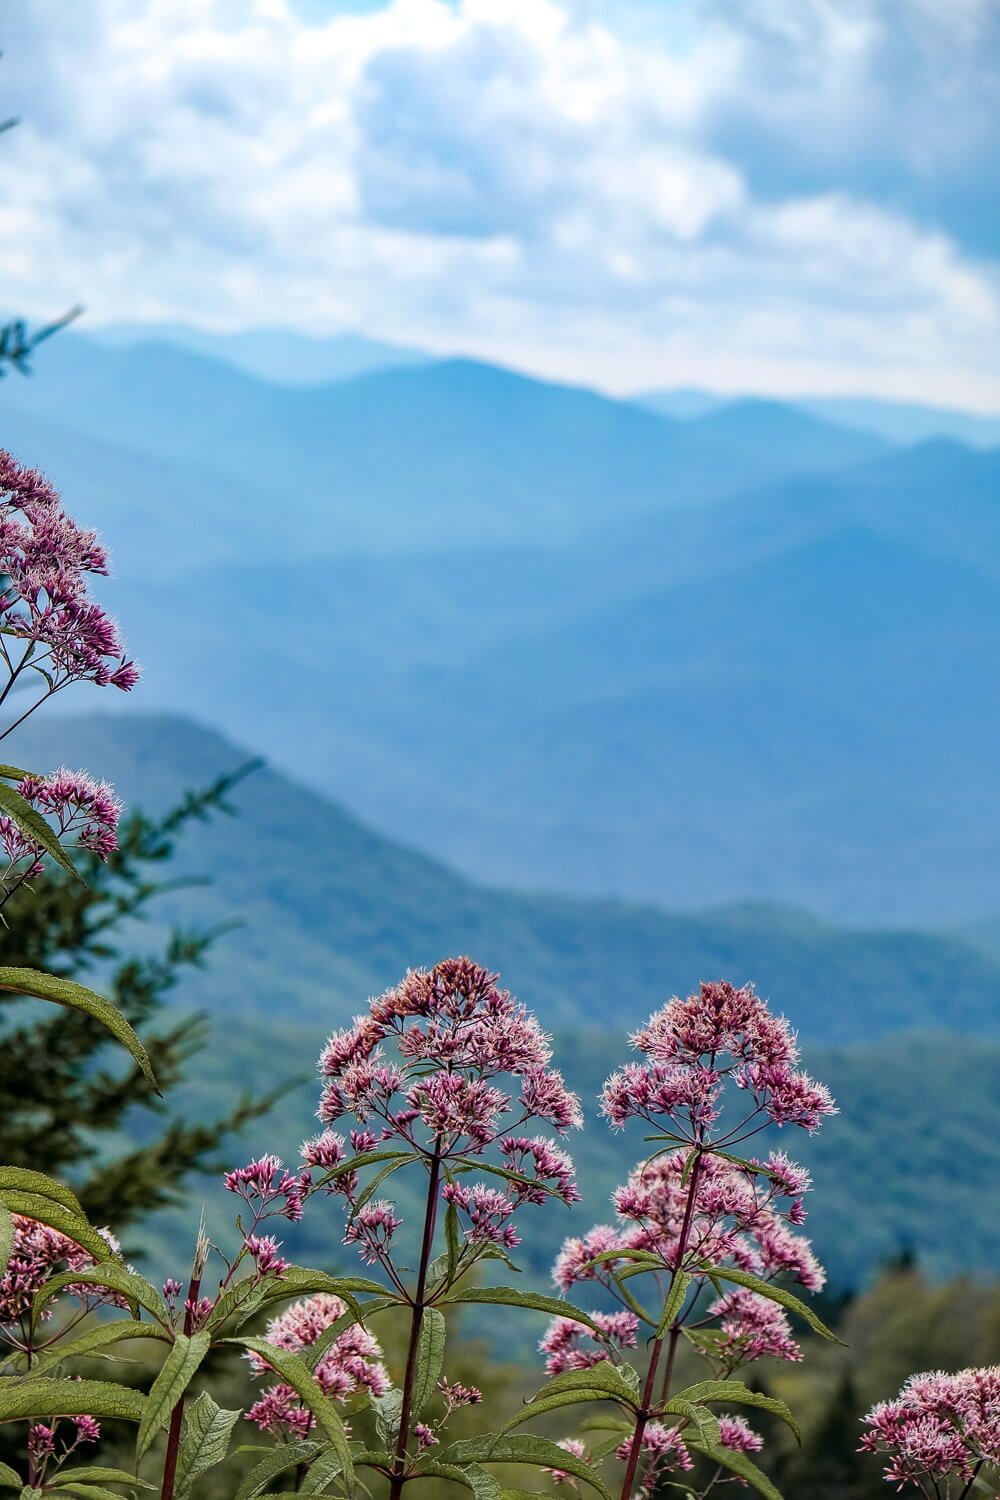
786,195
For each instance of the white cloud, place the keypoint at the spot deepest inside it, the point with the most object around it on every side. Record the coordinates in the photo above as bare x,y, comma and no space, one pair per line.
515,178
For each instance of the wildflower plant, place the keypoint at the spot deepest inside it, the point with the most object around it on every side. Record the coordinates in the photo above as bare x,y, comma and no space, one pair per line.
702,1247
940,1436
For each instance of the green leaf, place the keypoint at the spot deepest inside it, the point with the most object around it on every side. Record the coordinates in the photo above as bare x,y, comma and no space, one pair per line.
506,1296
96,1338
740,1395
471,1477
275,1462
737,1463
244,1300
775,1294
176,1374
113,1277
23,1180
325,1467
516,1177
674,1303
77,997
102,1476
69,1398
388,1409
619,1383
705,1421
538,1451
13,773
207,1430
9,1478
44,1210
295,1372
70,1486
314,1353
370,1188
544,1404
430,1358
6,1235
31,822
366,1159
452,1239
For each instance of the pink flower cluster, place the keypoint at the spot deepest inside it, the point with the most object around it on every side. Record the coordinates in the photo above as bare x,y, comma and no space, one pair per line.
352,1362
42,1444
78,806
692,1046
940,1427
736,1218
456,1043
39,1253
267,1188
45,560
569,1345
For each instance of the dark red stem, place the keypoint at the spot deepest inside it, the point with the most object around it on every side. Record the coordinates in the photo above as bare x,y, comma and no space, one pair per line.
398,1476
177,1415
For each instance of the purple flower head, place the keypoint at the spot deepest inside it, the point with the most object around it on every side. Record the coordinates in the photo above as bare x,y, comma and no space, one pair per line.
569,1345
37,1254
267,1188
693,1046
45,562
352,1362
263,1251
80,810
939,1428
450,1065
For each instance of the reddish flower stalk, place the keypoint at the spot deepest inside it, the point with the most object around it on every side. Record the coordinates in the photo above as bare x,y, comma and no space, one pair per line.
398,1478
646,1412
177,1415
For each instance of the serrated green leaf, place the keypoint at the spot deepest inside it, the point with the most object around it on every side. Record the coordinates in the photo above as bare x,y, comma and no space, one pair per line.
276,1461
101,1476
77,997
388,1409
740,1395
6,1236
325,1467
370,1188
295,1372
452,1239
775,1294
674,1303
100,1337
9,1478
178,1370
545,1404
539,1452
506,1296
31,822
69,1398
87,1491
207,1430
619,1383
23,1180
244,1300
45,1210
736,1463
29,1493
113,1276
430,1358
471,1477
14,773
705,1421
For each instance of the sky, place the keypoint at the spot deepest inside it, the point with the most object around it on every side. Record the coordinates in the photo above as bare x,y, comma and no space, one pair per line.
786,196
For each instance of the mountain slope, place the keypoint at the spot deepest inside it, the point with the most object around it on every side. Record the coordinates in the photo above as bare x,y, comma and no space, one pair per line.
333,912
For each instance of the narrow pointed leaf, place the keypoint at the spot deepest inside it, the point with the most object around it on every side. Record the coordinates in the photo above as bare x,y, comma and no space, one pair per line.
546,1404
77,997
471,1477
775,1294
69,1398
537,1451
674,1303
738,1394
101,1337
430,1358
275,1462
74,1226
295,1372
113,1276
325,1467
370,1188
92,1474
176,1374
31,822
23,1180
506,1296
705,1422
13,773
619,1384
6,1235
207,1431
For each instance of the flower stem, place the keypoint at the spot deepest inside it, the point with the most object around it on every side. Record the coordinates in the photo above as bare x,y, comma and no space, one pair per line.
647,1409
177,1415
398,1476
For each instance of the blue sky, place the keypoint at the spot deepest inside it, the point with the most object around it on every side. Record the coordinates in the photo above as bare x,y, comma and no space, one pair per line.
777,195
